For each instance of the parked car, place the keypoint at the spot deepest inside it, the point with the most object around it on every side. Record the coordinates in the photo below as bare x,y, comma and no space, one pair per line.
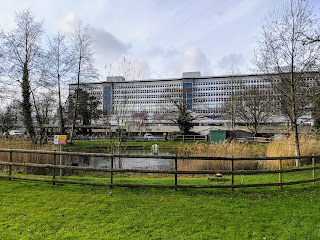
148,136
15,133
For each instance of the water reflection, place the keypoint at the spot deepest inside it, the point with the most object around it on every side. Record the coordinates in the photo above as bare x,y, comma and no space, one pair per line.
125,163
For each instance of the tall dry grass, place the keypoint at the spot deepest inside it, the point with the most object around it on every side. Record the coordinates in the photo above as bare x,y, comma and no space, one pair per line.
224,149
309,144
25,157
285,147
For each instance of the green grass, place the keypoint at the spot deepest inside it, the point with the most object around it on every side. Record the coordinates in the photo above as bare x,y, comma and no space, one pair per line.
87,144
34,210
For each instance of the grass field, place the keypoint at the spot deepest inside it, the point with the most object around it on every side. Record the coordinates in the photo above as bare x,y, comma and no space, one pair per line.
34,210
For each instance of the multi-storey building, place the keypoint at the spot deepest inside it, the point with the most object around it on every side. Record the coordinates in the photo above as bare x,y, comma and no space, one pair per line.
203,95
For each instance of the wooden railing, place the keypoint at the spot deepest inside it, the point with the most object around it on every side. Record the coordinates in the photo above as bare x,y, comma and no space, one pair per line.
231,176
189,138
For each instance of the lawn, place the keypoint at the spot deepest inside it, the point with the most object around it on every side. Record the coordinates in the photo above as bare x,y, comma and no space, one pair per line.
35,210
87,144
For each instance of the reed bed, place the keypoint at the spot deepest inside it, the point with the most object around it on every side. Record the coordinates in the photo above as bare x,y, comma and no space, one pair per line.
309,145
224,149
26,157
285,146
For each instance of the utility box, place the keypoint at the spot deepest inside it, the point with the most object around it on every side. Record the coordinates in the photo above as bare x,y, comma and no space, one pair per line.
217,135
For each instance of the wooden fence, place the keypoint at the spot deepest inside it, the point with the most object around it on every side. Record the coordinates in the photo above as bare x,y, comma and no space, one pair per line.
186,138
215,178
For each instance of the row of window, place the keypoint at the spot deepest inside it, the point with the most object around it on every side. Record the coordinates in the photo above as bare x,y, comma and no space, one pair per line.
136,87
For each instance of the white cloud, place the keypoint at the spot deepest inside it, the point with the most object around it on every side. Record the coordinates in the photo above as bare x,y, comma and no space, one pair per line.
69,22
194,60
171,62
107,45
231,63
164,37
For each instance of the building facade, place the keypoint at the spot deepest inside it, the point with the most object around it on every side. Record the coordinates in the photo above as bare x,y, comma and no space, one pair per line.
203,95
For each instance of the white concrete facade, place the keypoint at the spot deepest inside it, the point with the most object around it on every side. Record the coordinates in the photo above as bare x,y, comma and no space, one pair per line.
203,95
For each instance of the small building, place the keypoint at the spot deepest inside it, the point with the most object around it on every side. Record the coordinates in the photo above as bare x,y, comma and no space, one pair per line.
218,135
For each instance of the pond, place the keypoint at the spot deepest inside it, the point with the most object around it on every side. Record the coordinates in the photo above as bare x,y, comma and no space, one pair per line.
125,163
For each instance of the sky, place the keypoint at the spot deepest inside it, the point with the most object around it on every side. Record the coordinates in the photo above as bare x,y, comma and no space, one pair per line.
159,38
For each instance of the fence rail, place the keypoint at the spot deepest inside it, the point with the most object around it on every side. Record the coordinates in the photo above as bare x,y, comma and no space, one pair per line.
232,177
190,138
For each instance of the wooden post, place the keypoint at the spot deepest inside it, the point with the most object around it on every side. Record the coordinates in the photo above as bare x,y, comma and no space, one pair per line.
175,174
111,172
10,166
54,168
314,170
280,173
232,176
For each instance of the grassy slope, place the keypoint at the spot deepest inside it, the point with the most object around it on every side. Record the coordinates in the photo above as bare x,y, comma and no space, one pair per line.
32,210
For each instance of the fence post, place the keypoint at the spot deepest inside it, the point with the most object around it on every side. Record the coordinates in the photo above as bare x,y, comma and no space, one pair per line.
54,167
280,173
314,170
111,172
10,166
175,174
232,175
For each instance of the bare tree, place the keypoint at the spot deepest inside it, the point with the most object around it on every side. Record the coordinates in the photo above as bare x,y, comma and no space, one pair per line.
124,108
60,61
229,106
253,107
282,48
44,105
22,52
139,121
83,56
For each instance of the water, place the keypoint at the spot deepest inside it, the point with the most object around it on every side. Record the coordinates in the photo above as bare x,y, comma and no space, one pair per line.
125,163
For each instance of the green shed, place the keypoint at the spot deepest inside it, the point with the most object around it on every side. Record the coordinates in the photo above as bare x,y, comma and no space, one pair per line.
218,135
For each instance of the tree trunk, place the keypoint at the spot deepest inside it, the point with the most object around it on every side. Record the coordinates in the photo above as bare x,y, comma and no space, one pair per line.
294,119
60,109
74,117
26,105
76,103
40,120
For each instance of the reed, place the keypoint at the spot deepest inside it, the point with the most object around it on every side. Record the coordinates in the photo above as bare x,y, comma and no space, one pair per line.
26,157
285,146
309,145
233,149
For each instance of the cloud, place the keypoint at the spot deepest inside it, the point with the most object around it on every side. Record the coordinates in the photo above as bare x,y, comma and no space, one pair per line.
231,62
194,60
170,62
69,22
107,45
